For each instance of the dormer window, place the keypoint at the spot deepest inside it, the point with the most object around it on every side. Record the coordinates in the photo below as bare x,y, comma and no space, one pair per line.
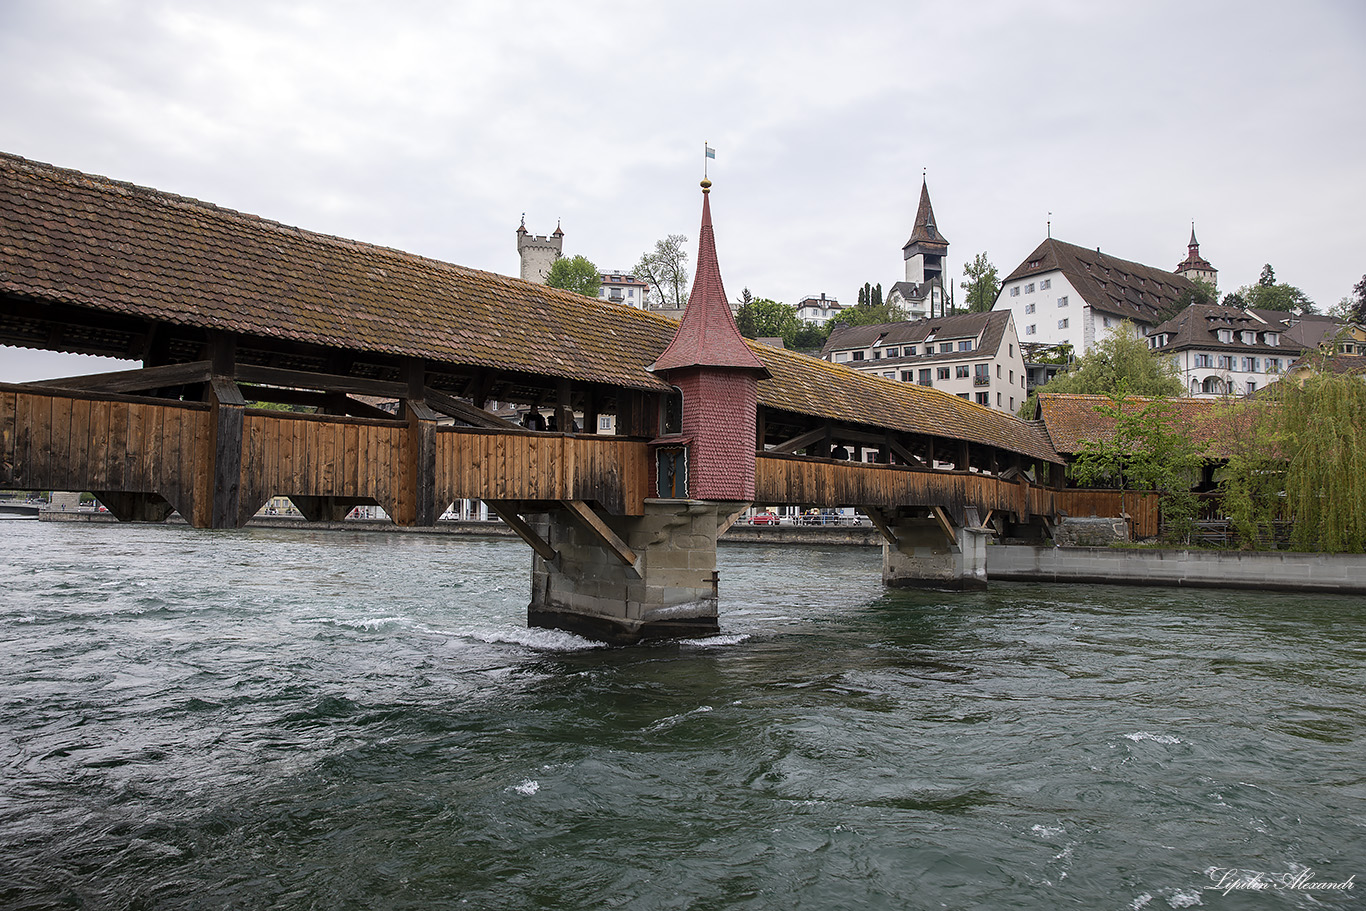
1249,338
1225,335
1272,338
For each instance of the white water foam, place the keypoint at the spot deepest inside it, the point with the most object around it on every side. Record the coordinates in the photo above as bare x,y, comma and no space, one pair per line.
1155,738
527,787
368,623
541,640
715,641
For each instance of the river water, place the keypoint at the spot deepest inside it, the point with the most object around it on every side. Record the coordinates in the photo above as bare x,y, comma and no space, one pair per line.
332,720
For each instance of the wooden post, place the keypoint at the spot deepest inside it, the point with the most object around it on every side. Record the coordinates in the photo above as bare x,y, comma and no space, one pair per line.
418,498
225,455
564,409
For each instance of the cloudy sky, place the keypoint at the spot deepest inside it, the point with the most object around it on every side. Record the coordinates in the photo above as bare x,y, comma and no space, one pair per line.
433,126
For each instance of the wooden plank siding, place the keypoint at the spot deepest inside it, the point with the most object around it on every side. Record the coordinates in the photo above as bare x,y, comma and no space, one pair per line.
802,481
508,465
51,440
60,441
307,455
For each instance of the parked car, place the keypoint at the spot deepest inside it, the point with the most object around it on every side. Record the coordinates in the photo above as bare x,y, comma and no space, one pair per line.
764,518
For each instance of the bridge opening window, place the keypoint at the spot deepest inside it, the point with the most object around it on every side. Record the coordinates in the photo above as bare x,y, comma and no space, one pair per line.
604,423
925,378
671,463
671,418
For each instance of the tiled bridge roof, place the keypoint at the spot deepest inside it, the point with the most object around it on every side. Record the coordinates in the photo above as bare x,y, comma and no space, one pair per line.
72,238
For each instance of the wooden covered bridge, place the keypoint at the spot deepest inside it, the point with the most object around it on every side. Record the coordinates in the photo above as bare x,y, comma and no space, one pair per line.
230,314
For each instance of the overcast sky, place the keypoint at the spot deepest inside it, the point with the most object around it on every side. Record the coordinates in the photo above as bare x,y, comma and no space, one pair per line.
431,127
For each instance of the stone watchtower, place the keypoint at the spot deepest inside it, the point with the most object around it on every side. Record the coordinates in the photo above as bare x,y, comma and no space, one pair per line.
538,253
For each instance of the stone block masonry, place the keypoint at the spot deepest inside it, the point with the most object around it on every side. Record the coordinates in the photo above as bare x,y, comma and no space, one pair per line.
670,591
1274,570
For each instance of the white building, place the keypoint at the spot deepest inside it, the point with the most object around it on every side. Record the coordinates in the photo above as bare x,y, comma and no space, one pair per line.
623,288
975,356
1063,294
818,309
1235,351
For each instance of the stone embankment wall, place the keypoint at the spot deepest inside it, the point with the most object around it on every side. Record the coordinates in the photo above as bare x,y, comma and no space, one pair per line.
1275,570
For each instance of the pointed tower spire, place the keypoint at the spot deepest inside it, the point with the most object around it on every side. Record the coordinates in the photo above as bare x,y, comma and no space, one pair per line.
1195,266
925,251
707,335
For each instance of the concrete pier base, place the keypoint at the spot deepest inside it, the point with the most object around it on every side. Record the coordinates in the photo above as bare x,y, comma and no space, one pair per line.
668,591
925,557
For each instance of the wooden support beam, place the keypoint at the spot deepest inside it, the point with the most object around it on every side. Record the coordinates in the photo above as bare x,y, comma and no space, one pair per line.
593,523
463,411
139,380
945,524
883,523
325,382
724,526
804,440
524,531
905,454
135,507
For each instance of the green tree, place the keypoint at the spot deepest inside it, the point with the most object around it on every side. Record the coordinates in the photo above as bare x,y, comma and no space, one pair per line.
1118,364
810,337
982,285
665,270
870,314
1269,294
1146,453
1323,423
1352,307
577,274
870,295
764,318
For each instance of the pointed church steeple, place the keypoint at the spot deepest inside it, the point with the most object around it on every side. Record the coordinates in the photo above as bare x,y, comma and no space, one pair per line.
925,251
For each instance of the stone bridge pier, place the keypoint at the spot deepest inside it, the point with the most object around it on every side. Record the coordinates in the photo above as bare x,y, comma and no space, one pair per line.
926,549
624,579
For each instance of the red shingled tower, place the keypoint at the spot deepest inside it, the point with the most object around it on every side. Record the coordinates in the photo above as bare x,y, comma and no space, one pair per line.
718,375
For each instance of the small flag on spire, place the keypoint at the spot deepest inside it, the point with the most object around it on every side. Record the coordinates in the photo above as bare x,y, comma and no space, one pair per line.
711,153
